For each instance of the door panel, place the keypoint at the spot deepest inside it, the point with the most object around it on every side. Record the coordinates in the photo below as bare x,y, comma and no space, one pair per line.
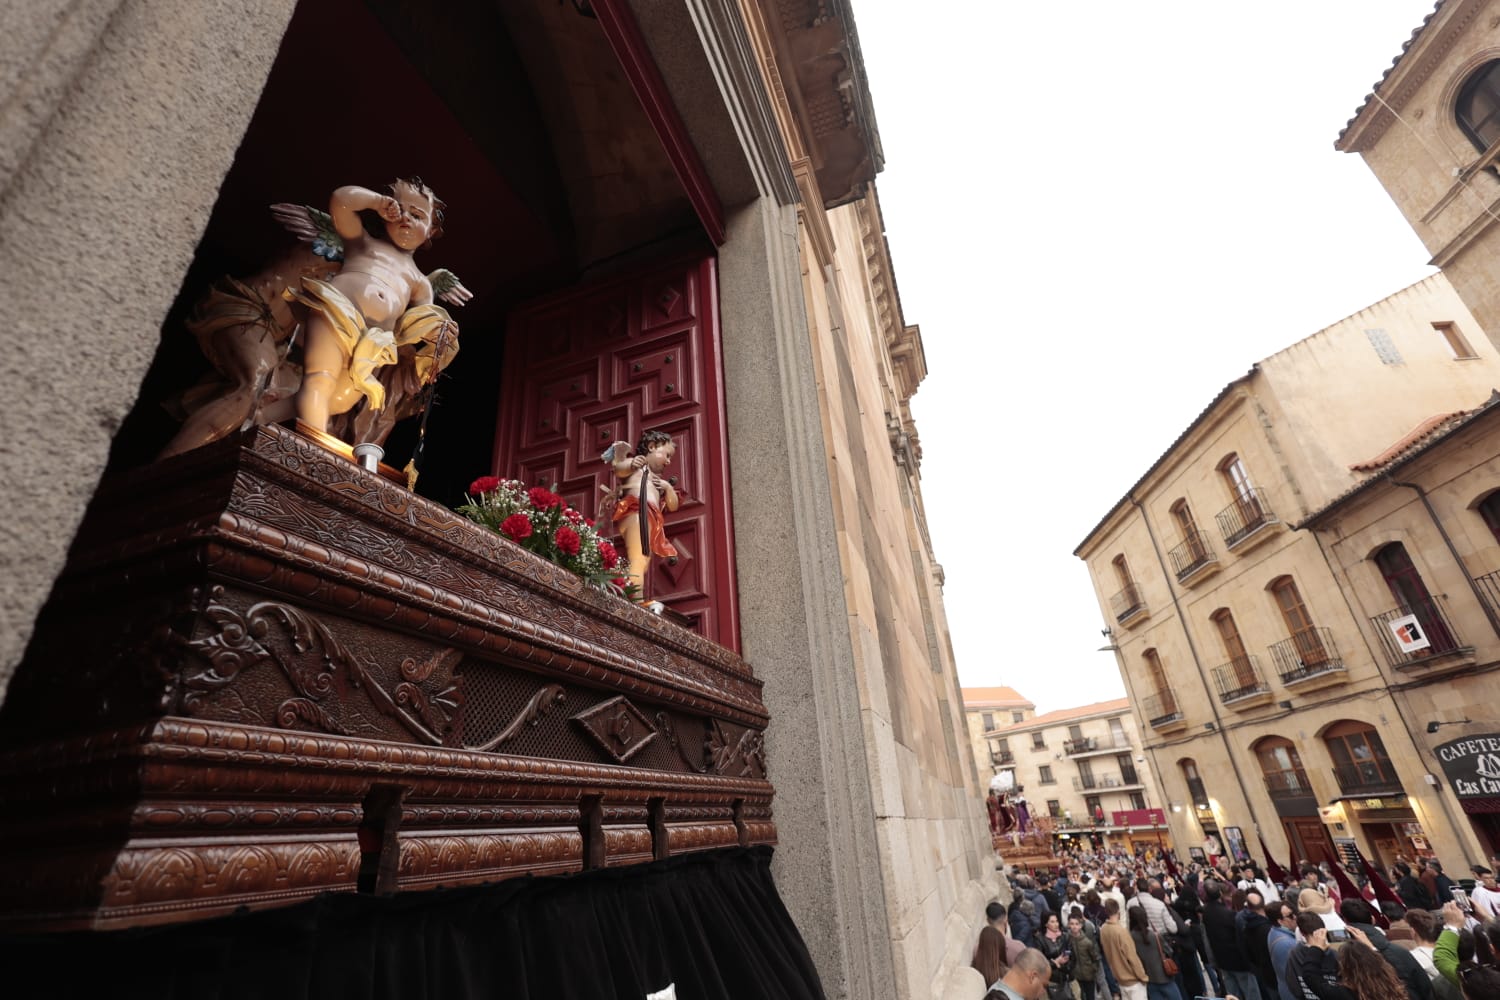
600,364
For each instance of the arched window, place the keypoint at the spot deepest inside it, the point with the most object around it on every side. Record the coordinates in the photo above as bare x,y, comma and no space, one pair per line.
1478,106
1240,668
1310,648
1160,705
1359,759
1489,509
1281,766
1413,598
1194,780
1128,600
1245,512
1193,551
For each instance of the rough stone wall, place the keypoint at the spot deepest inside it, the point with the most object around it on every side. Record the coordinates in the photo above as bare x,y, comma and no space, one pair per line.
120,120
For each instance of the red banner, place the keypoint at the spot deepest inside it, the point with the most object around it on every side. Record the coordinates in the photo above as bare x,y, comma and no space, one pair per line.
1139,817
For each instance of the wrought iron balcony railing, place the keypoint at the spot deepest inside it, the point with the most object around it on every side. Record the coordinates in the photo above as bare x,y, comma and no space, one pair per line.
1238,679
1368,777
1161,709
1308,653
1430,634
1081,745
1127,603
1489,586
1002,757
1289,784
1240,519
1193,554
1096,782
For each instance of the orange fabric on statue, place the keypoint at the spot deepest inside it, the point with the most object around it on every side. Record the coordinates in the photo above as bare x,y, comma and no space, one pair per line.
659,544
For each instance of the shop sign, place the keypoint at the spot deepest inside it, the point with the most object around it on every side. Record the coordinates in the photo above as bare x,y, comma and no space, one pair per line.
1472,765
1409,634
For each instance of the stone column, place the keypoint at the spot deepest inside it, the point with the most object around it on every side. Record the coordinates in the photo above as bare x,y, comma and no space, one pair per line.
120,121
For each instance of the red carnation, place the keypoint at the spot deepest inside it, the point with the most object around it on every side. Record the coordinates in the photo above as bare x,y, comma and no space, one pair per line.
543,499
484,484
516,527
573,516
620,582
566,540
608,555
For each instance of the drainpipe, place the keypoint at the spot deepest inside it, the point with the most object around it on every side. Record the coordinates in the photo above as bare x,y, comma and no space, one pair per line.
1197,661
1474,587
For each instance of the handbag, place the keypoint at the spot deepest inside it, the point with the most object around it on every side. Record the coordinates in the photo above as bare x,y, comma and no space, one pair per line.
1168,965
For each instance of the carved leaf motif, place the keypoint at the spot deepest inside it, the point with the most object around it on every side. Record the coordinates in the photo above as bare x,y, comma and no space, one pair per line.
294,710
547,698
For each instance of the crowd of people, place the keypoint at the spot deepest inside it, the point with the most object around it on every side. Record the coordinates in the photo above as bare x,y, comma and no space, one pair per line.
1117,928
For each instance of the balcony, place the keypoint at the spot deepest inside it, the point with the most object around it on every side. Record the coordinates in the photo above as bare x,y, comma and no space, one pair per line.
1289,784
1129,605
1489,587
1194,559
1428,640
1002,758
1307,657
1105,782
1162,713
1240,683
1371,778
1090,745
1247,521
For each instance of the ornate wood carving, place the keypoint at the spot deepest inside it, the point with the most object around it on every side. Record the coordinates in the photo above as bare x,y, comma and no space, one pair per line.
250,637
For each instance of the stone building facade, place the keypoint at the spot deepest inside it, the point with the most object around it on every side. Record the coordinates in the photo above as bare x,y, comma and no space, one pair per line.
767,148
1262,687
990,708
1429,133
1085,768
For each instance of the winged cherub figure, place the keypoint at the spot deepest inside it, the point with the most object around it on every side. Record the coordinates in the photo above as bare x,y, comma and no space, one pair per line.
635,504
378,302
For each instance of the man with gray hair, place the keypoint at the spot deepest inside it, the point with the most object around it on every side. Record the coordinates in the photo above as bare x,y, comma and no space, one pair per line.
1026,980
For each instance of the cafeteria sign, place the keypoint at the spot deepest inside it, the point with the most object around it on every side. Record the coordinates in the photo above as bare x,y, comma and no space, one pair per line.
1472,764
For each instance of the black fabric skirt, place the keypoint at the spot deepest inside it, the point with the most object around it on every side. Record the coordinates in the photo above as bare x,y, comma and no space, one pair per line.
711,923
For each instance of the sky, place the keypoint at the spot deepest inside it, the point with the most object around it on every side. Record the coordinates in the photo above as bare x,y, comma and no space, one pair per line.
1099,214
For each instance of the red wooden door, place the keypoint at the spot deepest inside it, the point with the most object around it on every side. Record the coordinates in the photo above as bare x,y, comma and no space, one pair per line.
599,364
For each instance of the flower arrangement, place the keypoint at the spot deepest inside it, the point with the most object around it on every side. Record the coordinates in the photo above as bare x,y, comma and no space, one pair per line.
540,521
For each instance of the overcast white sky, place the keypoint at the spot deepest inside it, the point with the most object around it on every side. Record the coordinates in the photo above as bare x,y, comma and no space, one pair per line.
1100,213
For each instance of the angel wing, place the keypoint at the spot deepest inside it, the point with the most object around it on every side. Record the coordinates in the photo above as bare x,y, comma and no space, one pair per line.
446,286
312,226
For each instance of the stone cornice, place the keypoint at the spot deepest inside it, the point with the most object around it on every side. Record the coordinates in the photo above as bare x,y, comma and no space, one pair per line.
1413,67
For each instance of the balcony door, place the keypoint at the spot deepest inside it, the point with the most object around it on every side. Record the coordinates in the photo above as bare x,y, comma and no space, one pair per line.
1360,761
1241,490
1281,765
1182,514
1234,649
1299,624
1411,594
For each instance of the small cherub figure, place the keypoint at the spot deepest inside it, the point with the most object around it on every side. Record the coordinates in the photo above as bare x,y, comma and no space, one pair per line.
378,302
635,505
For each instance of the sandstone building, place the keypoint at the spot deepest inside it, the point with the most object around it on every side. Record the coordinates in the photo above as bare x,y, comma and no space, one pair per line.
986,709
1272,699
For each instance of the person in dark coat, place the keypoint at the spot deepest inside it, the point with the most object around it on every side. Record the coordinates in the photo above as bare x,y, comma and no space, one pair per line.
1023,922
1411,890
1357,913
1224,944
1255,926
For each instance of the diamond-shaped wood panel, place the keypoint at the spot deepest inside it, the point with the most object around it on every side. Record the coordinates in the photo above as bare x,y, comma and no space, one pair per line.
620,729
603,363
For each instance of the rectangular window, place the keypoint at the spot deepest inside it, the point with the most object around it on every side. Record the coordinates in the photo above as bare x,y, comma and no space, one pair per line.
1092,804
1054,808
1075,733
1038,741
1137,800
1117,732
989,721
1385,347
1018,717
1005,745
1456,342
1045,775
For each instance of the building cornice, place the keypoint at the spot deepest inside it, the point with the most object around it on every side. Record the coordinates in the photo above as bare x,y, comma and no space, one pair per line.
1419,58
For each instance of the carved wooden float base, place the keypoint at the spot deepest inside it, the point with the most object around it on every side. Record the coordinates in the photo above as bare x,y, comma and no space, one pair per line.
268,674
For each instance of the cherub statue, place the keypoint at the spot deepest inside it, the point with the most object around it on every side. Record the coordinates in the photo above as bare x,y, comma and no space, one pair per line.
635,504
377,303
339,288
245,330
